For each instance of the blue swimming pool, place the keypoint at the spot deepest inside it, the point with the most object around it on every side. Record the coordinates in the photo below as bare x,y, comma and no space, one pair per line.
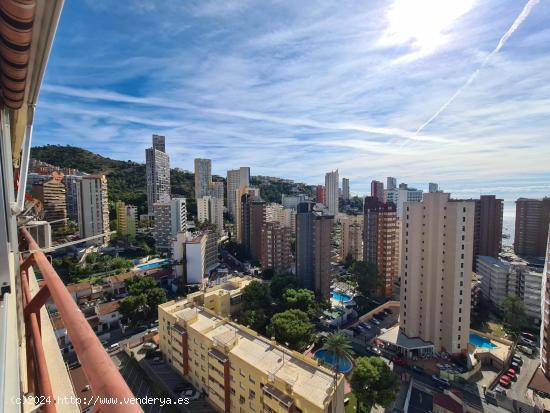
340,296
344,364
479,341
152,265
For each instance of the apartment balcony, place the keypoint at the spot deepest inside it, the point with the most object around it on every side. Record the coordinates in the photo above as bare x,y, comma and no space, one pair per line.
44,371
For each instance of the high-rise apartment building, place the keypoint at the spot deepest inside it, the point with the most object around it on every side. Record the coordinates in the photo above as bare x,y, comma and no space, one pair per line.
93,208
313,249
488,227
286,217
41,231
238,369
52,195
436,271
169,219
402,194
275,248
377,190
331,191
391,182
239,192
157,169
352,237
195,255
253,212
203,177
126,219
545,324
320,194
433,187
216,190
71,198
532,220
210,209
236,178
345,189
381,242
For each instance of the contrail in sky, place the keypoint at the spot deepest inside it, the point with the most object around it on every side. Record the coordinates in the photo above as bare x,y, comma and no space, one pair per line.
520,19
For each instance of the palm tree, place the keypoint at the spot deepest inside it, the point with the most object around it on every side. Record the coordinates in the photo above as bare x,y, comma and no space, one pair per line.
340,347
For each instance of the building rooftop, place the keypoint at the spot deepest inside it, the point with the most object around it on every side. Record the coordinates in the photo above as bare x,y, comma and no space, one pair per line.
107,308
395,336
73,288
308,379
82,388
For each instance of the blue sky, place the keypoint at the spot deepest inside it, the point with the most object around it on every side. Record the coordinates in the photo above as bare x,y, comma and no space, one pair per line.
297,88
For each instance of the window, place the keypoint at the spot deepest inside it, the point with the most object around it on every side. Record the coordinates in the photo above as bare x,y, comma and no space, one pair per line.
251,394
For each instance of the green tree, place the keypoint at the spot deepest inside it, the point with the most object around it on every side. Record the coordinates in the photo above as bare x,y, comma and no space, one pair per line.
366,276
255,319
301,299
292,327
146,287
373,383
256,296
280,283
133,305
514,313
155,297
348,261
340,347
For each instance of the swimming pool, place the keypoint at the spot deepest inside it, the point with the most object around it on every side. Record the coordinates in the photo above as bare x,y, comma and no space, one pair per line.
344,364
152,265
340,296
479,341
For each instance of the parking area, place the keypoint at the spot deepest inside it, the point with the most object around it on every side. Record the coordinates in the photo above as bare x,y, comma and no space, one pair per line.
518,389
364,335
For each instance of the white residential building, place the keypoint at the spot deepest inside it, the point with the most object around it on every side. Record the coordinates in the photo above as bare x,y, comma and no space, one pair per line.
210,209
195,255
401,195
157,169
331,191
436,265
236,178
93,208
169,219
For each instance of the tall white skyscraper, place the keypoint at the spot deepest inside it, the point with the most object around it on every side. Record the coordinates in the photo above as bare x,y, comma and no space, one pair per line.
345,188
391,182
170,218
203,177
157,167
93,208
331,188
436,271
236,178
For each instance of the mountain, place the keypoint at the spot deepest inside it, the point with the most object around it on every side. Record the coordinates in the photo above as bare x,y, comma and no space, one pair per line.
126,179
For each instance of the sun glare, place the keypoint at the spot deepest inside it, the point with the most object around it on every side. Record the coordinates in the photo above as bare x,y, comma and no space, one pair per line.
423,23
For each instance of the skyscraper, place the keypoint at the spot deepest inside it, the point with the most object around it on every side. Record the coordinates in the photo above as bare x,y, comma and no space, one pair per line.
236,178
52,196
436,272
402,194
320,194
331,191
170,218
157,169
275,249
381,242
313,250
391,182
93,208
377,190
532,220
545,324
239,225
487,227
210,208
126,218
203,177
71,196
253,211
433,187
345,188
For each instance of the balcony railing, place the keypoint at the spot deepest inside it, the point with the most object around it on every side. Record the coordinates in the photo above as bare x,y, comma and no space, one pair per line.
105,380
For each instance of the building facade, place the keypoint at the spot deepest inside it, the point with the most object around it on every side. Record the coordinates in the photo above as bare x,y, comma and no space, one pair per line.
195,255
488,227
203,177
352,237
236,178
345,189
436,273
169,219
253,211
313,249
52,195
532,221
157,170
126,219
71,197
275,248
93,208
545,324
331,191
377,190
241,370
210,209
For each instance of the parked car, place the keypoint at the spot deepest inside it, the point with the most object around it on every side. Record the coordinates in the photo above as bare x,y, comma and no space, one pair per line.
441,380
515,366
517,359
375,321
388,311
190,394
139,329
365,325
511,374
504,381
114,347
529,336
525,349
157,360
527,342
500,390
149,346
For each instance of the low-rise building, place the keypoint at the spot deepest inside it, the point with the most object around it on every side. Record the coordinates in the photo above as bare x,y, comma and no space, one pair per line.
241,370
195,255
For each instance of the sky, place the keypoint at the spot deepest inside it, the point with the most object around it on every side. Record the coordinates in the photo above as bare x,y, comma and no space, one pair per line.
298,88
